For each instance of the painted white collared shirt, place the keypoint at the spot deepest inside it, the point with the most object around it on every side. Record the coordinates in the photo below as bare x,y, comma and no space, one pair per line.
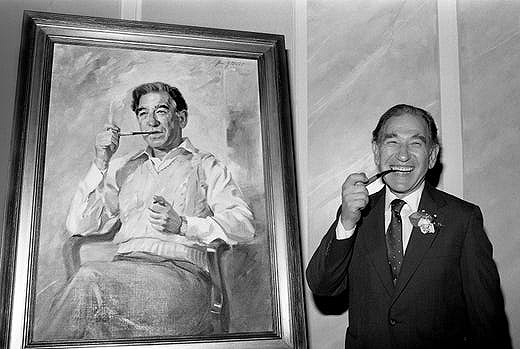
195,183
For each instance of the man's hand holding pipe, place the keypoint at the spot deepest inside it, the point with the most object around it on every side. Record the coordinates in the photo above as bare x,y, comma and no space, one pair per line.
106,145
354,198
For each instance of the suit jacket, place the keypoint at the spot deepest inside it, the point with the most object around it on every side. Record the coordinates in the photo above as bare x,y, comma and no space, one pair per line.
448,293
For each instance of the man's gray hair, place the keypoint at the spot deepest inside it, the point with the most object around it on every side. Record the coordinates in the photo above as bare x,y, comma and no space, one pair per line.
158,86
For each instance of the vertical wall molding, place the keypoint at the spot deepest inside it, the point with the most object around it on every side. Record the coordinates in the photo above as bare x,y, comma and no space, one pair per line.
131,9
298,58
451,117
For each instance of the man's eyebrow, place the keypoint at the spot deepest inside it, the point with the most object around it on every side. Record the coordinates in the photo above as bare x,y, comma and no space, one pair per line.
395,135
162,105
420,137
389,135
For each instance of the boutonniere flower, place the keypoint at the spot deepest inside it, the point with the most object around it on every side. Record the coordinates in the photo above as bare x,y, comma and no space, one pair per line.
424,221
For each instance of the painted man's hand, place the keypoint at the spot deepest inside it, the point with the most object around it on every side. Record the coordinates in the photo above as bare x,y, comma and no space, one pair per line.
163,217
354,198
106,145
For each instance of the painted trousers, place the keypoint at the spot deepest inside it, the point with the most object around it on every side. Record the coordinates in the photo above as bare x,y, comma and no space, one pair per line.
135,295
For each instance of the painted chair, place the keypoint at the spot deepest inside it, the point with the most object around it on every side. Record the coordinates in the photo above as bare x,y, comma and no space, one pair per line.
214,251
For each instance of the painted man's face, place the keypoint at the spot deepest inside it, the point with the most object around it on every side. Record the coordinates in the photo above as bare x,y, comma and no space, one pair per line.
404,144
157,112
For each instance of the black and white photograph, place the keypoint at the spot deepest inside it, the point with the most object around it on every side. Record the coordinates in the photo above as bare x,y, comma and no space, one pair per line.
281,174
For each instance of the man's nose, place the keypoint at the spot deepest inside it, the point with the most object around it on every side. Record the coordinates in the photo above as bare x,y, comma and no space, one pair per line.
403,153
152,120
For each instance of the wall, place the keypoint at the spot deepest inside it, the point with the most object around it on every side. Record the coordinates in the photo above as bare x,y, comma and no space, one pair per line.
490,91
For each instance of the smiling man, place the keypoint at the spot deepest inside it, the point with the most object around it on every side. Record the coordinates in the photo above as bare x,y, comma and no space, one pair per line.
414,263
171,200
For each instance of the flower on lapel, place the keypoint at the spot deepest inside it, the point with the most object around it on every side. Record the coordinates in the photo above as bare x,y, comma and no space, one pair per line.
424,221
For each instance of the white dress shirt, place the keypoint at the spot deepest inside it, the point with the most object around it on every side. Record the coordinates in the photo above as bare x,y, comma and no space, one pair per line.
412,205
195,183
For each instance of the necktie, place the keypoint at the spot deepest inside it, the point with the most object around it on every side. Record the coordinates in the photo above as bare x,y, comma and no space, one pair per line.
394,239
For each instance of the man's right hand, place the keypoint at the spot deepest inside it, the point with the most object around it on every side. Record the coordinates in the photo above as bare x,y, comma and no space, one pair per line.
354,198
106,145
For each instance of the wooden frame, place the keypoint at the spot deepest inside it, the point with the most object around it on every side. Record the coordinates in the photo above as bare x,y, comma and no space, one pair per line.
49,37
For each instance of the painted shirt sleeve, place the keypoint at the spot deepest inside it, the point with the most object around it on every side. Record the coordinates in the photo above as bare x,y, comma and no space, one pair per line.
94,203
232,219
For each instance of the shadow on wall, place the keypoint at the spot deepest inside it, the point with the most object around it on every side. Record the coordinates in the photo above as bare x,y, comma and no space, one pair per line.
434,175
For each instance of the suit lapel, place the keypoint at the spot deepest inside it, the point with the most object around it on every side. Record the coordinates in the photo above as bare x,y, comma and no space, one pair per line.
419,243
373,233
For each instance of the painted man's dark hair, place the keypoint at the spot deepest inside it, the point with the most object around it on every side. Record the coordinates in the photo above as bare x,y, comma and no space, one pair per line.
174,93
401,109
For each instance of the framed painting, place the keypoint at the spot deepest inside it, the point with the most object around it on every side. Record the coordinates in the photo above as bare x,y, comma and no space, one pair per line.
152,198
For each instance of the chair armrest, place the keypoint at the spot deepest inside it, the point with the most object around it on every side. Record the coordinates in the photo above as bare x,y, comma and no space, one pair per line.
219,298
71,248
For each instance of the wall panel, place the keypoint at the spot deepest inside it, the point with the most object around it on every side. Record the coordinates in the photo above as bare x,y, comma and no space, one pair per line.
364,56
489,38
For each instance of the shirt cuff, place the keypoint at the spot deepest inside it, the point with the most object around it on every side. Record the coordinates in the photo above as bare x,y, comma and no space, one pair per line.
342,233
92,179
205,230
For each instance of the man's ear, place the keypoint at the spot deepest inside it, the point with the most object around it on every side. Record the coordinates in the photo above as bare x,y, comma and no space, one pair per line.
182,116
375,151
432,158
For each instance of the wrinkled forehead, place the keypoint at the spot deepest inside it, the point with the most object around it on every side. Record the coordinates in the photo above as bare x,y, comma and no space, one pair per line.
406,125
155,99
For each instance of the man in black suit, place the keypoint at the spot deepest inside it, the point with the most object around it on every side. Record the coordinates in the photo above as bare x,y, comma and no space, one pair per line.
414,262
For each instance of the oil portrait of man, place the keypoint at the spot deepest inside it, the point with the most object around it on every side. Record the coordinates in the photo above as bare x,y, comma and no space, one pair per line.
164,152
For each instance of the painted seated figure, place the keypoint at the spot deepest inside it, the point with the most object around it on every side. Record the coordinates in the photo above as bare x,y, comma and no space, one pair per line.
167,202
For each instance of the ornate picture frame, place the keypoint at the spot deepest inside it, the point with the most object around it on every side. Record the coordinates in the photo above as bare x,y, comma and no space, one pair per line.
76,75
